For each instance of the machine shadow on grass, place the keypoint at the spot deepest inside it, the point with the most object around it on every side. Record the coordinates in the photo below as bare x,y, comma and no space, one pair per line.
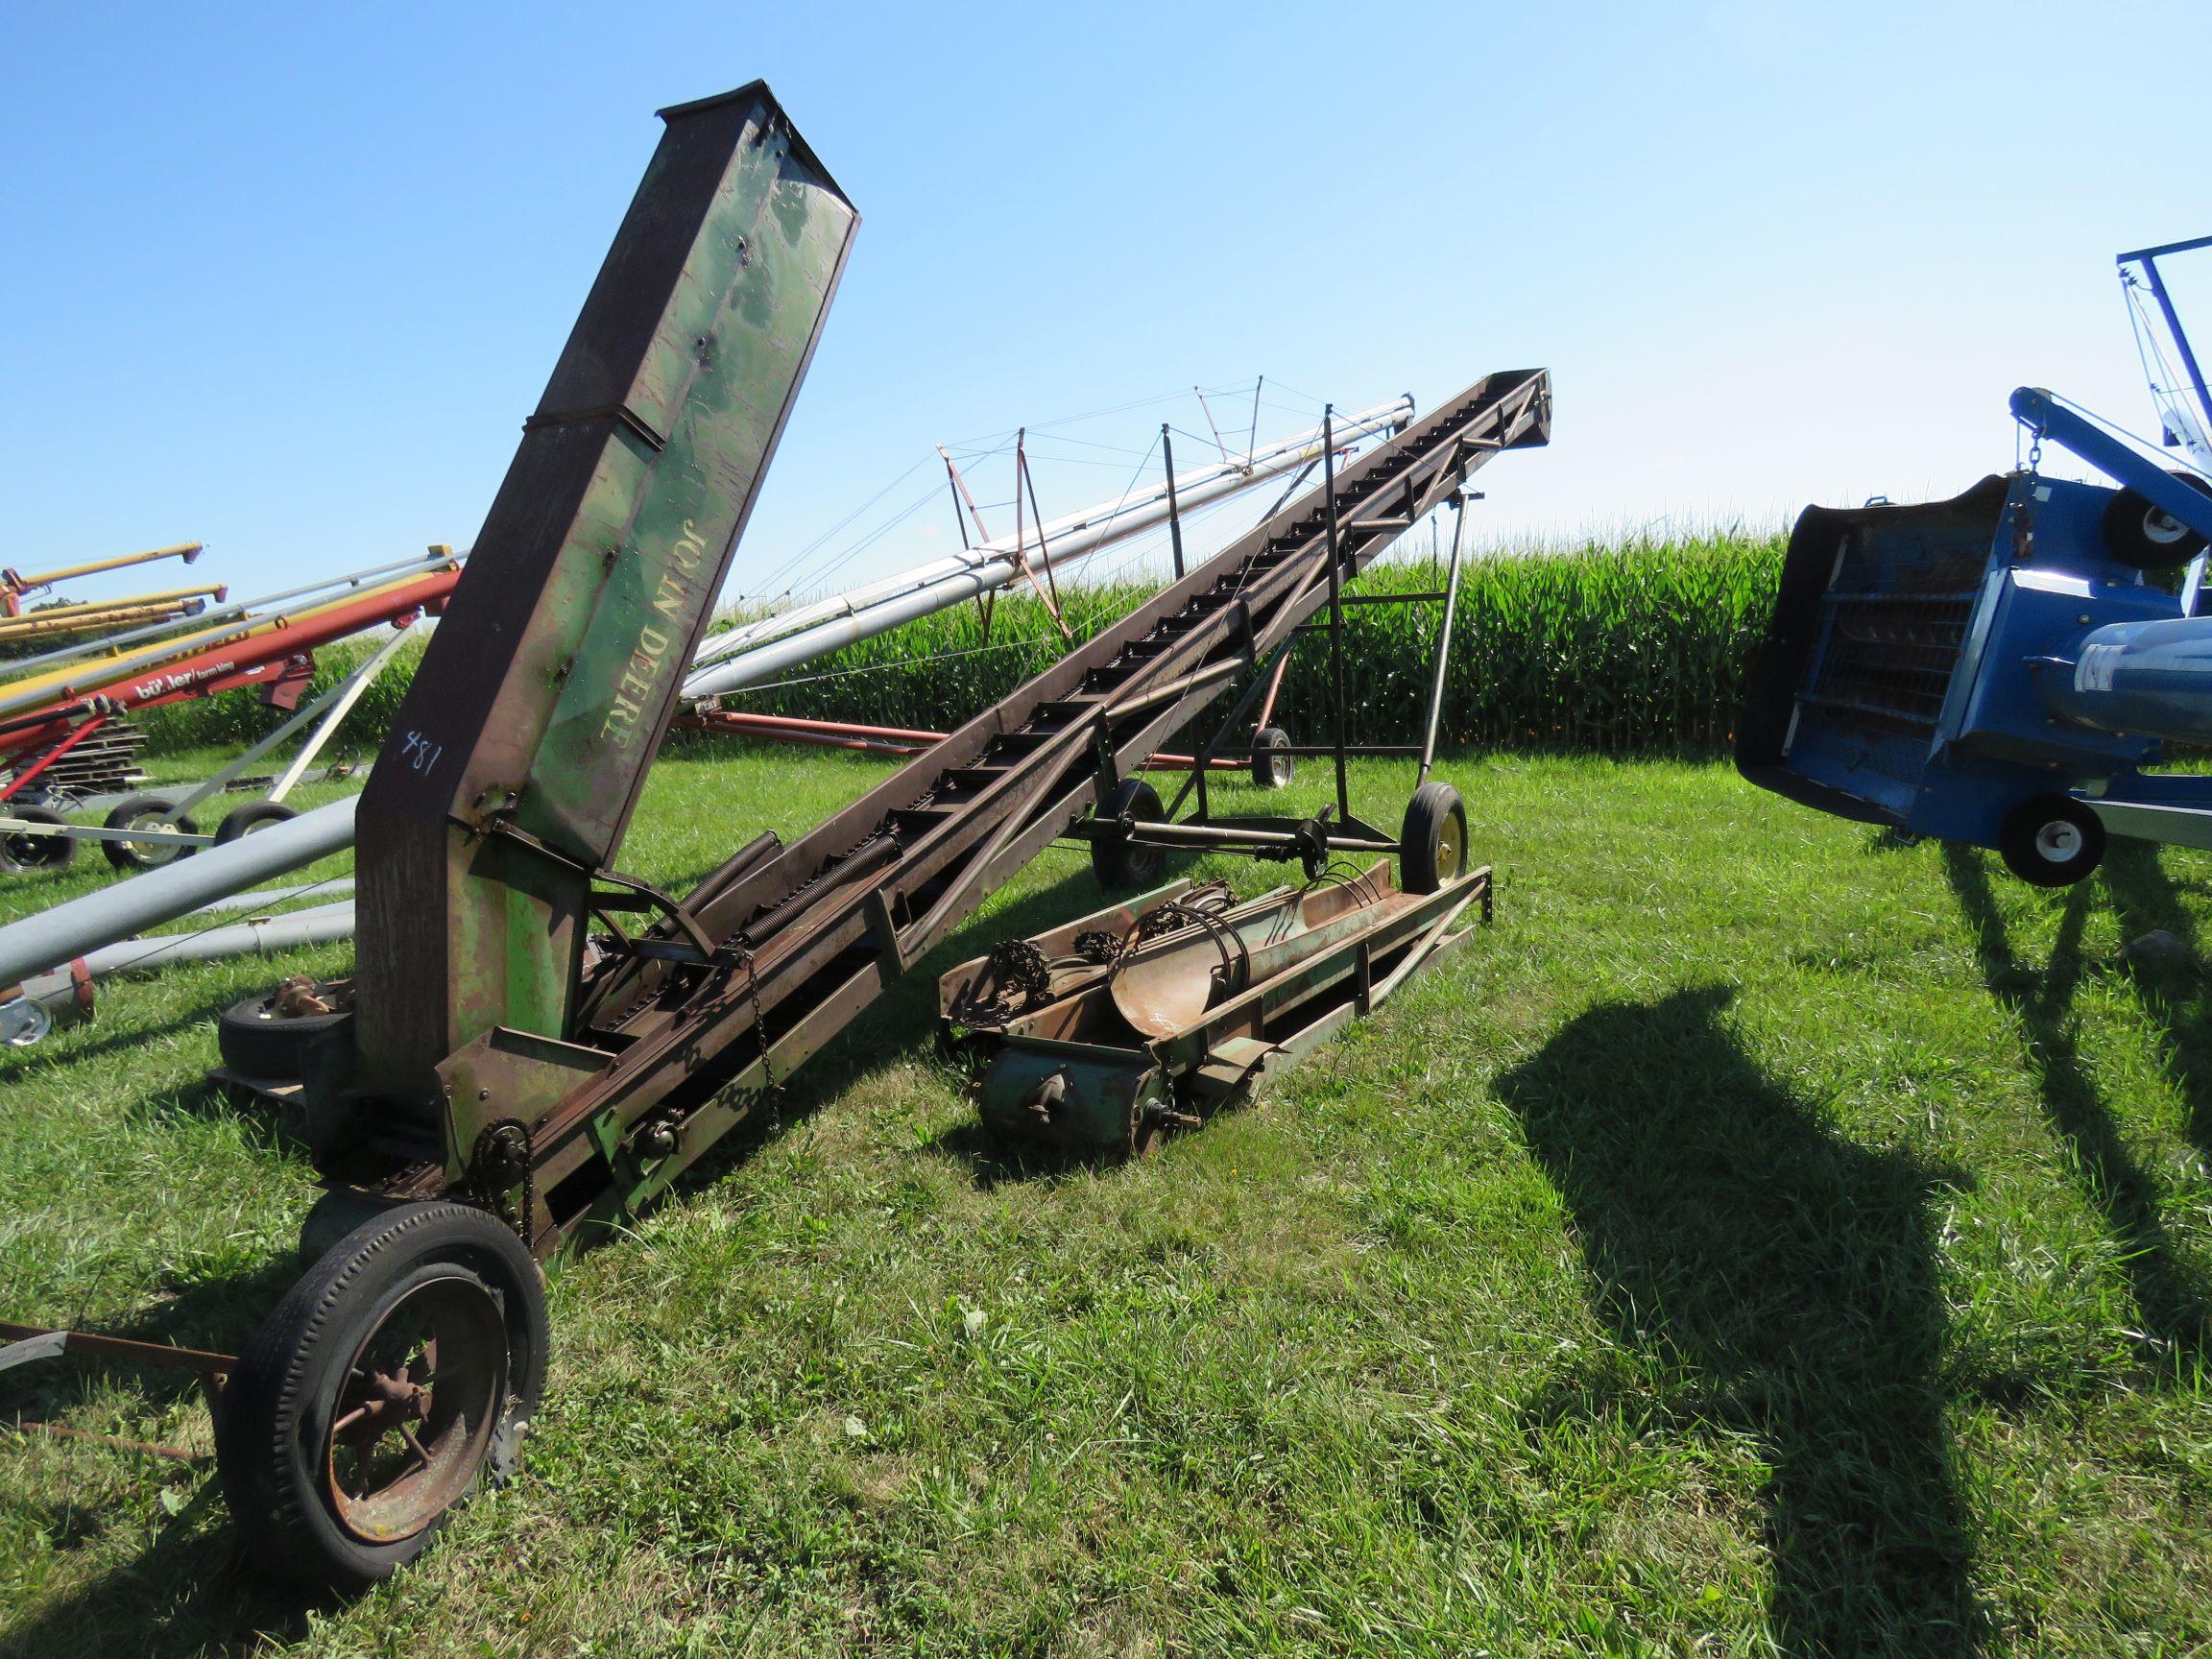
188,1592
2173,993
2169,1289
1784,1280
902,1024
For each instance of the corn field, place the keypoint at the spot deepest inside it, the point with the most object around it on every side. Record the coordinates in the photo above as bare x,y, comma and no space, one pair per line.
1618,650
1622,650
237,718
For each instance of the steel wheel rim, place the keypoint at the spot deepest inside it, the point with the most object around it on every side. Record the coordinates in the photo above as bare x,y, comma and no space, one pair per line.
2058,841
415,1410
1451,845
151,852
2161,529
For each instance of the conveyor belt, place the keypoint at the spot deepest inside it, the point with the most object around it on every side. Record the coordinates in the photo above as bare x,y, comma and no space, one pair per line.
687,1027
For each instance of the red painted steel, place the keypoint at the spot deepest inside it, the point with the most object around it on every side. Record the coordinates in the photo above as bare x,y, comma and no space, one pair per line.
884,739
254,656
31,772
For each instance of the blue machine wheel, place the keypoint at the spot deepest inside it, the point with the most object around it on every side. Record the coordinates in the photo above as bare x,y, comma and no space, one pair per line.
2051,841
2140,533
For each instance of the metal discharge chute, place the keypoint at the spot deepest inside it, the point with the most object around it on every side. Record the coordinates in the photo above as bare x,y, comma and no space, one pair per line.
517,756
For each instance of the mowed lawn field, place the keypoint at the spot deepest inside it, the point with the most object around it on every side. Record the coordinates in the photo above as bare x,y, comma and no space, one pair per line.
1762,1238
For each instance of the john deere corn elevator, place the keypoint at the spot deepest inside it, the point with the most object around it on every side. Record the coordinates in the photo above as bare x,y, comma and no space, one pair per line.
536,1043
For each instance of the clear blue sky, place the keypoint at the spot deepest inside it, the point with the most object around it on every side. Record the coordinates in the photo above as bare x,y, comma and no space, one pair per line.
288,279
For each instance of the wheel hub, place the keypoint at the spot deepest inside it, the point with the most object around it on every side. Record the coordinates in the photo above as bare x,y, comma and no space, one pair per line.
1450,855
2059,840
415,1410
2162,527
393,1397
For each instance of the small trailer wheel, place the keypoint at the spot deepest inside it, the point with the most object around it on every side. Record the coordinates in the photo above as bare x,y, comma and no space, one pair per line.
1432,844
243,821
27,852
258,1039
1272,764
2140,533
147,813
2050,841
1116,860
368,1406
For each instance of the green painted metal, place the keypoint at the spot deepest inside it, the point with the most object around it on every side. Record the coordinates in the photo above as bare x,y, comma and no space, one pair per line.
1106,1062
1089,1100
517,757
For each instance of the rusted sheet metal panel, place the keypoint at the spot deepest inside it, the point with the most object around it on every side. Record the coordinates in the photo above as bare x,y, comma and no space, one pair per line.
538,706
810,916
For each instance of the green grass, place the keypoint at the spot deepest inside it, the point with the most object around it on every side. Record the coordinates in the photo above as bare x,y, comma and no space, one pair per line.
1760,1241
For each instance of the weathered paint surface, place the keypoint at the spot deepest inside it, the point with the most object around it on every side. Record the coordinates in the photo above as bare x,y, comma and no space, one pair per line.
538,706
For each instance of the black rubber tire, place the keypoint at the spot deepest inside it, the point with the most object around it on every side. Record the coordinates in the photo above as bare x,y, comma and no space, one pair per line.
1432,844
2051,841
254,815
35,851
2146,537
273,1419
1119,863
1273,766
258,1042
136,812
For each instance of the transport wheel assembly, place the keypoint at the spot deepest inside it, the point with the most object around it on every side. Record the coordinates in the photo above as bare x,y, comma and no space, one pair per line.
1272,765
35,851
254,815
2138,532
1115,859
393,1378
267,1037
2052,840
147,813
1432,846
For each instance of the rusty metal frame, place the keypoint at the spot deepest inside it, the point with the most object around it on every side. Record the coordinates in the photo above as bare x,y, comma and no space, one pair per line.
27,1345
806,938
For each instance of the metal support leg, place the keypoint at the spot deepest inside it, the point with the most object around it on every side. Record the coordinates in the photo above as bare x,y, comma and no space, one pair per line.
342,693
349,694
1335,605
1174,516
1267,716
1229,722
23,779
1443,642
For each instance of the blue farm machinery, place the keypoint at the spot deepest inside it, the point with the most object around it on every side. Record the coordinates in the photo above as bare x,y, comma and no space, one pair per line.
2007,668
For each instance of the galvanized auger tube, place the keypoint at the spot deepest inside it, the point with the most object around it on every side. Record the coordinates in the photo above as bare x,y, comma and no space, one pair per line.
56,937
753,652
2152,677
